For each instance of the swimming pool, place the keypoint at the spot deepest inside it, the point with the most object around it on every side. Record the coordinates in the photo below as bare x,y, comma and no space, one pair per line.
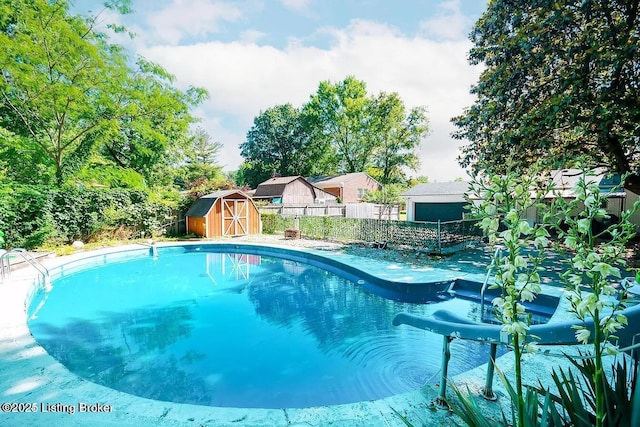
241,326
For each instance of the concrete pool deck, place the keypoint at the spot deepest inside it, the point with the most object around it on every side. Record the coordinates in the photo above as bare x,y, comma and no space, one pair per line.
57,397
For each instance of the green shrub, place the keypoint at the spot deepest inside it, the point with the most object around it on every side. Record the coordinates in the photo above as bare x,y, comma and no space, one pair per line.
34,215
25,216
270,222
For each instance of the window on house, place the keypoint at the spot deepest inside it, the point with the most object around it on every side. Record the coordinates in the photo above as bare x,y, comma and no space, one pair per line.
362,192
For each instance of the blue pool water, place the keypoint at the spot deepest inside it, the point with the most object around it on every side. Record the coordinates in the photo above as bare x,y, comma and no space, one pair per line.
240,330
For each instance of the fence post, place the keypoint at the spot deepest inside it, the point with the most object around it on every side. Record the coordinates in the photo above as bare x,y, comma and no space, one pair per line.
439,239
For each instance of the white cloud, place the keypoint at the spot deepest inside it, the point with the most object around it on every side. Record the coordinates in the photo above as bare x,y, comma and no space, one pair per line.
244,79
252,36
448,24
297,5
191,18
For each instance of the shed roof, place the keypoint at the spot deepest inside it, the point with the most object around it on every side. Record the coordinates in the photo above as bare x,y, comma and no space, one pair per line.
438,189
203,205
274,187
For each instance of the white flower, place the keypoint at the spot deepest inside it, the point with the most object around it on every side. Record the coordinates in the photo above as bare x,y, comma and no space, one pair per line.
507,235
520,262
524,228
541,242
612,350
526,295
575,280
570,242
531,347
582,335
583,225
611,326
520,328
622,319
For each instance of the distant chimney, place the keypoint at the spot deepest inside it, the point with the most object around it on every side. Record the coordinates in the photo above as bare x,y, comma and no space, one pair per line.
276,175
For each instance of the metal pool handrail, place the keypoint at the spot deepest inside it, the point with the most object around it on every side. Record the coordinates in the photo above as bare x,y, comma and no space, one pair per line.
152,246
452,326
6,264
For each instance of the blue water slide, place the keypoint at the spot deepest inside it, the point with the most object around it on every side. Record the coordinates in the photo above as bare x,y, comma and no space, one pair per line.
451,326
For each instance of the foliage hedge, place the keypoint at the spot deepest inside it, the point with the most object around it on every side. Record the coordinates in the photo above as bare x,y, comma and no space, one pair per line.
429,236
33,215
272,222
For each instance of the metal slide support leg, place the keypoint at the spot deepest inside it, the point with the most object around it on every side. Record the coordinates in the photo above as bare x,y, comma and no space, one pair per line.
446,355
487,391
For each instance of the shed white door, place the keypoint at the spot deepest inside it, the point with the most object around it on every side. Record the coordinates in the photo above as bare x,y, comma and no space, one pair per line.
235,217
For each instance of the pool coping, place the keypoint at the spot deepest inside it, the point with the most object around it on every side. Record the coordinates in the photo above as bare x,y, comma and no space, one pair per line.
28,374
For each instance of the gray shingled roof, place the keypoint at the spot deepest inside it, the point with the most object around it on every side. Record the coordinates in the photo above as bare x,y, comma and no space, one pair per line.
200,207
274,187
203,205
438,189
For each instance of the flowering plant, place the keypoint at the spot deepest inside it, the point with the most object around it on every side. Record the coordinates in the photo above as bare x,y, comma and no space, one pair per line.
503,202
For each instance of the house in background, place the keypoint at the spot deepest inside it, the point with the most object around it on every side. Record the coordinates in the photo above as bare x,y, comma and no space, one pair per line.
349,188
445,201
564,181
292,190
436,201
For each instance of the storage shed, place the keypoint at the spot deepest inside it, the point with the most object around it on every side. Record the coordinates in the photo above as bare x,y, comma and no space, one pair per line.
223,213
288,190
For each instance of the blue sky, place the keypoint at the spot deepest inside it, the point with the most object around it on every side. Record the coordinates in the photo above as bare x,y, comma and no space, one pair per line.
254,54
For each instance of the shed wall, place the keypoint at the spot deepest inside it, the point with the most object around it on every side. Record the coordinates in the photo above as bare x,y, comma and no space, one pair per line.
298,192
214,222
196,225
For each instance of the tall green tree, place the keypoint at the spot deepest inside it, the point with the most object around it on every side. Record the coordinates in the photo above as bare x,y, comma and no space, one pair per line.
150,129
280,142
200,158
397,136
560,81
20,161
66,91
250,174
337,115
203,151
